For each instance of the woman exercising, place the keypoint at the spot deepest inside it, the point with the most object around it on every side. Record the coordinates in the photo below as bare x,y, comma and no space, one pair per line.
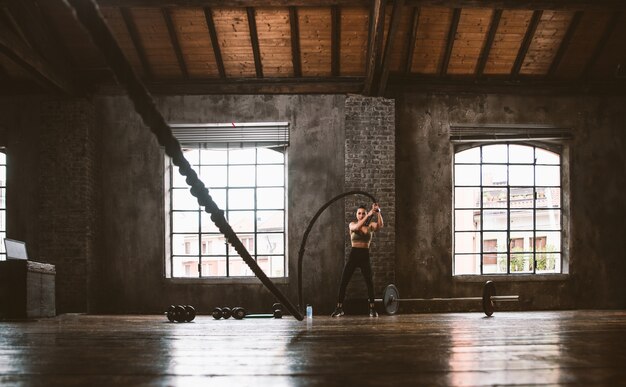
360,237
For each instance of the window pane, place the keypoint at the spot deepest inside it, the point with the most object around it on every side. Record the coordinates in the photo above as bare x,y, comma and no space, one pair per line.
548,263
192,156
495,197
521,241
521,263
494,175
548,175
182,199
270,198
270,220
183,244
494,154
549,197
3,158
466,175
273,266
238,268
214,176
213,266
219,197
547,157
468,156
185,222
548,219
268,175
494,263
466,220
241,199
466,264
521,175
494,242
2,246
241,176
185,266
522,197
522,220
466,242
242,156
241,221
213,156
213,244
494,219
521,154
466,197
269,156
179,180
270,243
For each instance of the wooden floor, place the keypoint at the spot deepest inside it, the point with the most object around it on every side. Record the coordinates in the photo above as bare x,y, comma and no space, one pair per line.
510,348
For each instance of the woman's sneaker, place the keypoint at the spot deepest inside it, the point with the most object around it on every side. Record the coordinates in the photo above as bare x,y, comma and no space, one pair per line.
338,312
373,312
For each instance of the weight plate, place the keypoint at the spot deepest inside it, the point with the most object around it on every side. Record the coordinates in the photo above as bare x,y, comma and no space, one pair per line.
277,305
191,313
390,299
489,290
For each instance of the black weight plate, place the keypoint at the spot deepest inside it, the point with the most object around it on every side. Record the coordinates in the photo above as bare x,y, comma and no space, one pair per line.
170,313
277,305
191,313
390,299
226,312
489,290
180,314
239,313
217,313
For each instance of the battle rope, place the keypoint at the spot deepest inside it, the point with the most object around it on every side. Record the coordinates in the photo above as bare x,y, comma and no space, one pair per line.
88,14
308,230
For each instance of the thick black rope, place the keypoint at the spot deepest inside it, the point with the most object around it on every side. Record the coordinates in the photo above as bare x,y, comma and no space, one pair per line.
308,230
86,11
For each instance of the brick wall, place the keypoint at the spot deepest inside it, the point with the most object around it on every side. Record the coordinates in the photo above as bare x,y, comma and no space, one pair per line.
370,167
67,207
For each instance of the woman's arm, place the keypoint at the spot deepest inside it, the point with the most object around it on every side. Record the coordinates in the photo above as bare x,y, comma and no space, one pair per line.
356,226
380,223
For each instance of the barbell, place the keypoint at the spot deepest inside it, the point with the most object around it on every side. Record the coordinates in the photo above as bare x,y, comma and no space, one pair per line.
391,298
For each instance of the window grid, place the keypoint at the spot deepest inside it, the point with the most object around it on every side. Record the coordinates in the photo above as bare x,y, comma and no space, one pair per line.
228,252
533,248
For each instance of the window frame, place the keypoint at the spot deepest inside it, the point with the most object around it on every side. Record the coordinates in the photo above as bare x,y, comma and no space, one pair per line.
229,252
3,205
561,148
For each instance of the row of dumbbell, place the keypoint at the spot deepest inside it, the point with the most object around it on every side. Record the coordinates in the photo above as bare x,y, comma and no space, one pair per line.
181,313
239,313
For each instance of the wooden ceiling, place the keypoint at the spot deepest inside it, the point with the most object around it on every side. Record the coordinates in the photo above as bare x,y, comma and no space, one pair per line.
321,46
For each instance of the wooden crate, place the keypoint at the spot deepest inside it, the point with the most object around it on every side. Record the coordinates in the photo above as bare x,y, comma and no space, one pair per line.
27,289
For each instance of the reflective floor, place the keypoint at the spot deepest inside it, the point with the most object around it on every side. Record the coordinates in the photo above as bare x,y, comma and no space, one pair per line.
461,349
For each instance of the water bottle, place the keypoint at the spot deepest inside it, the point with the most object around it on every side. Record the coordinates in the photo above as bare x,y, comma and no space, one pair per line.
309,311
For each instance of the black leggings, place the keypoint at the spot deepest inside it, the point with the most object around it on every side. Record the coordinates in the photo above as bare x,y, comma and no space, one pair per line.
359,257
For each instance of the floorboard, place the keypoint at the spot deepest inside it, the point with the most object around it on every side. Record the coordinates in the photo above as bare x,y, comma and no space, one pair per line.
457,349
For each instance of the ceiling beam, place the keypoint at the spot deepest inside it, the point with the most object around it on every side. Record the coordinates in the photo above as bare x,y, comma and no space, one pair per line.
171,29
29,60
528,38
254,40
377,26
456,16
134,37
572,5
573,24
308,85
295,41
608,31
398,5
410,45
217,52
484,53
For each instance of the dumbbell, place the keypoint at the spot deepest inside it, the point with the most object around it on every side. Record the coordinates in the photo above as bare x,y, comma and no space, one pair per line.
181,313
240,313
223,312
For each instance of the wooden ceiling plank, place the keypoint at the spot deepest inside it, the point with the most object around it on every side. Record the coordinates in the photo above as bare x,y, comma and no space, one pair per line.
335,39
565,42
484,54
394,23
254,40
217,52
377,24
295,41
171,29
134,37
573,5
528,37
610,27
13,47
410,47
456,16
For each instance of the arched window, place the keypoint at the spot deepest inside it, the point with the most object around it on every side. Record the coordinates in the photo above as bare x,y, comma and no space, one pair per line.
508,210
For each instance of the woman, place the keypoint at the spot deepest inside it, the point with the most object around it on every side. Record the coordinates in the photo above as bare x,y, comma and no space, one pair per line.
360,237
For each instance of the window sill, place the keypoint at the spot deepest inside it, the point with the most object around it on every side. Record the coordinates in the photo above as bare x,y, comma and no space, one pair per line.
225,281
511,278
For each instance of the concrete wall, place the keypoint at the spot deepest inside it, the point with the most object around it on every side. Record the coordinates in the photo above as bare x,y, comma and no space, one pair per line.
597,180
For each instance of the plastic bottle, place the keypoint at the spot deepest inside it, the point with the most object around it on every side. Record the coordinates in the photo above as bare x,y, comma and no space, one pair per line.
309,311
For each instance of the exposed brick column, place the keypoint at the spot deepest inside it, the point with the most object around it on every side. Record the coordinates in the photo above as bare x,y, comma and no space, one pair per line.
67,199
370,166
